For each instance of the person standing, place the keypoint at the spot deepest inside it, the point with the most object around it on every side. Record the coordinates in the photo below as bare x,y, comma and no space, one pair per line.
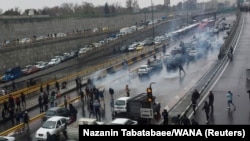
211,100
165,117
127,91
57,86
206,108
65,102
40,102
26,120
230,99
23,99
47,88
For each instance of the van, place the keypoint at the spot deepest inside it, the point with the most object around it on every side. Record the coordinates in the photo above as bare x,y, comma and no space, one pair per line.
120,104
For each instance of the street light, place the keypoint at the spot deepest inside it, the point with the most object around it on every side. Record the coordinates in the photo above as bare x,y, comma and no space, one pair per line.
153,22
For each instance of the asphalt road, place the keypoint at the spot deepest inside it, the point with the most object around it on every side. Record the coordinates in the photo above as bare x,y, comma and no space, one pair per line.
232,79
169,87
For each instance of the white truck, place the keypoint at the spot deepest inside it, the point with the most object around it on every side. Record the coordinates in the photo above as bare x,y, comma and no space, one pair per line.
72,130
144,70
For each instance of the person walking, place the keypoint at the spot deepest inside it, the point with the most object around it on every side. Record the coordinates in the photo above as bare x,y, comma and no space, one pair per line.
206,108
194,99
26,120
40,102
211,100
165,117
47,88
230,99
181,69
127,91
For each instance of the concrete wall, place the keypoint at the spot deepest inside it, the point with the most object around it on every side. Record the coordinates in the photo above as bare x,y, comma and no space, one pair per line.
14,30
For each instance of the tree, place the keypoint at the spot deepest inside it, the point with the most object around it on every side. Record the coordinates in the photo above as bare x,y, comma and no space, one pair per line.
135,6
106,8
129,5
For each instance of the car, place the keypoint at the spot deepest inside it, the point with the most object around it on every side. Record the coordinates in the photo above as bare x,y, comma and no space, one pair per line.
7,138
54,62
42,65
57,111
123,121
123,49
120,104
53,125
139,47
29,69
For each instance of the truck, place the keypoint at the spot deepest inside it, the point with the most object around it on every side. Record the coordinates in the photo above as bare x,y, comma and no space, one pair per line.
12,74
139,108
72,130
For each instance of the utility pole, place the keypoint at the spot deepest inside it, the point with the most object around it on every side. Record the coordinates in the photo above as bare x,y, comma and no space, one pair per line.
153,21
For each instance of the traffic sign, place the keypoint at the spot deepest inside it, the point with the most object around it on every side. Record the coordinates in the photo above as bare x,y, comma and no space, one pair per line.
146,113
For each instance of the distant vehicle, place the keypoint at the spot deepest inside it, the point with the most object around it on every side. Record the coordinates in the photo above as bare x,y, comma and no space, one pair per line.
144,70
124,49
57,111
29,69
54,62
7,138
52,125
123,121
25,40
156,63
12,74
42,65
139,47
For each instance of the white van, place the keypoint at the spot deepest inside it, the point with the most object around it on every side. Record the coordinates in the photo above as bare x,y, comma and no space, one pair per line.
120,104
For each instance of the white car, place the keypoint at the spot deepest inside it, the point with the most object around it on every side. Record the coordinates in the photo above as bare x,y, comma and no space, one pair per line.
52,125
7,138
123,121
54,61
42,65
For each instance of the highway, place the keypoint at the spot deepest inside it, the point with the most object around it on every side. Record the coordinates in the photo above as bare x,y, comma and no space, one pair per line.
233,78
169,87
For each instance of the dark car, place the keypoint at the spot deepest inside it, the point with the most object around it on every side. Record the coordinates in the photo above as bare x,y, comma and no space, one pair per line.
123,49
57,111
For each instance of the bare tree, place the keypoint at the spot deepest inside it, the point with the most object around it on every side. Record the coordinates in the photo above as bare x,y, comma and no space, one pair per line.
129,5
135,6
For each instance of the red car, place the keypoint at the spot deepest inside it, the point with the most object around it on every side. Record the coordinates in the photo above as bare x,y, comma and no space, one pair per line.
29,69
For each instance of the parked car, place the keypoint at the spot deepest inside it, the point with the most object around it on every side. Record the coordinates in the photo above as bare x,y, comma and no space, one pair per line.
57,111
54,62
53,125
123,121
42,65
29,69
7,138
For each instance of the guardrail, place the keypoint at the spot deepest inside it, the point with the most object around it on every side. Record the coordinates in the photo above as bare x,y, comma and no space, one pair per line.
25,91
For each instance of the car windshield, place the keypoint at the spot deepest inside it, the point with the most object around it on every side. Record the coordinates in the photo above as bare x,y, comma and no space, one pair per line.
50,113
142,67
120,102
49,124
